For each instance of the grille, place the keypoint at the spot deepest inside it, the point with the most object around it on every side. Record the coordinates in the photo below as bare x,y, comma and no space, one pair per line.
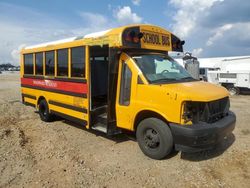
215,110
208,112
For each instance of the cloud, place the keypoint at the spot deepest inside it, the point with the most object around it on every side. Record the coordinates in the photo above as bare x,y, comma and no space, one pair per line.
94,20
213,28
16,52
187,14
234,41
136,2
229,11
197,52
14,35
32,27
218,33
124,15
26,29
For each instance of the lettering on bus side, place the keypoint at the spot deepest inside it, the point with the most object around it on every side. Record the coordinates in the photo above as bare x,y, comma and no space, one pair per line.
47,83
155,39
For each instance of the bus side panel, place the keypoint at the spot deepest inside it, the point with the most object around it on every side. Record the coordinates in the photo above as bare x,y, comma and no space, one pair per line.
76,107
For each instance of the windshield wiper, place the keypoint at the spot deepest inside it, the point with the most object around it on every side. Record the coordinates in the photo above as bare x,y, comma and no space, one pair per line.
187,78
163,79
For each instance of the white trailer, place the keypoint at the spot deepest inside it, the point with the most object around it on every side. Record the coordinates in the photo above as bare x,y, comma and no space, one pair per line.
232,73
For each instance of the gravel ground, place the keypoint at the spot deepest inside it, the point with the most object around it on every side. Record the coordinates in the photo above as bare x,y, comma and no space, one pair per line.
59,154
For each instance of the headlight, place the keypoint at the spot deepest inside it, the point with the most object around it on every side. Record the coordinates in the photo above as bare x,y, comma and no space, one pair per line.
193,111
187,114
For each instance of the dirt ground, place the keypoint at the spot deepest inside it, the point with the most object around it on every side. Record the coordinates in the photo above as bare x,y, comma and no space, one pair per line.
38,154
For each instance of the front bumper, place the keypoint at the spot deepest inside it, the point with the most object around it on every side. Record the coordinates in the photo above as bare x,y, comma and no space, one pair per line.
202,136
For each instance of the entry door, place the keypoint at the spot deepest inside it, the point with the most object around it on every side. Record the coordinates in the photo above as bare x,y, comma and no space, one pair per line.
125,92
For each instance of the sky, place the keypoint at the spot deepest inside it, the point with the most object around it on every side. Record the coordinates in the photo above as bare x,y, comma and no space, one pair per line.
211,28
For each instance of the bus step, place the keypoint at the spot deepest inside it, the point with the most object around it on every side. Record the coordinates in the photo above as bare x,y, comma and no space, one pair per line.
100,127
101,123
103,116
100,110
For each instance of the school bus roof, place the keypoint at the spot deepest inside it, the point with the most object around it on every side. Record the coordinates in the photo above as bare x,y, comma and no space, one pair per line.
129,36
91,35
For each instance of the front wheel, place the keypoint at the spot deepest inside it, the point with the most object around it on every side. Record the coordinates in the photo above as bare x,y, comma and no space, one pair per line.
154,138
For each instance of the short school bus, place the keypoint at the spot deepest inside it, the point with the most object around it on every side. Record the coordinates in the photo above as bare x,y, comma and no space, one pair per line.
123,79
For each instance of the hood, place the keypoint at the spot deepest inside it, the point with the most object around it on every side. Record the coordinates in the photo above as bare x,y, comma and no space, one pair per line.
197,91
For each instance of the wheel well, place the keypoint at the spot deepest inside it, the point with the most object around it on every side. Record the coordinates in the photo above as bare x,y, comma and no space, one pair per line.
39,99
147,114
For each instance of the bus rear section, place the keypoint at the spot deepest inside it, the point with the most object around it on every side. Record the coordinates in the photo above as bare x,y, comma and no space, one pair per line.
52,88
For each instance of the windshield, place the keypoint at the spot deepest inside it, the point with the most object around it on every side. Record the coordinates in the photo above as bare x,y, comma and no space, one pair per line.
160,68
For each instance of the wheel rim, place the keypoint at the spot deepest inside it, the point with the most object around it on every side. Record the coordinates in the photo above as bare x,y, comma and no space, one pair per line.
151,139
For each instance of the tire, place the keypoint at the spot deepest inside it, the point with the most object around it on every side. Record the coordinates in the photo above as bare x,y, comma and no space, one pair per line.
154,138
233,90
44,111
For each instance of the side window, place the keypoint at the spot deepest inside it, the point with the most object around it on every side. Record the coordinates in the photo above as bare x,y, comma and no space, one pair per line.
28,64
50,63
62,62
125,89
39,63
78,62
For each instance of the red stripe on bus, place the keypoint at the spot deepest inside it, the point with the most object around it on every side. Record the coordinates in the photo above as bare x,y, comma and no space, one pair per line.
80,88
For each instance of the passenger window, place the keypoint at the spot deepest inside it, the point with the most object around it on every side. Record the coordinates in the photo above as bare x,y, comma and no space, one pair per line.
78,62
50,63
39,63
125,89
62,62
28,64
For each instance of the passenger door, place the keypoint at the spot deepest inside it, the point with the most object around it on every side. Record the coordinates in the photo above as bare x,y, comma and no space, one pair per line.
126,91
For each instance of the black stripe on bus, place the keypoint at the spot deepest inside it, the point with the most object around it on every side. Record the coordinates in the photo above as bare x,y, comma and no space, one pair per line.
56,79
29,104
83,95
71,80
34,77
71,118
29,96
75,108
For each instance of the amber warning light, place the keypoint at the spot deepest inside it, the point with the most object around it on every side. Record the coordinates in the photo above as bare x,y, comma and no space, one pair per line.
134,37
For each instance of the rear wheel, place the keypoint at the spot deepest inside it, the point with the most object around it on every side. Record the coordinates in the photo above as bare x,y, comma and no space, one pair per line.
154,138
44,111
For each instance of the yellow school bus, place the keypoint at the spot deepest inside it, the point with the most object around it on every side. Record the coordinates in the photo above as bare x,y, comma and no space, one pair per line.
122,79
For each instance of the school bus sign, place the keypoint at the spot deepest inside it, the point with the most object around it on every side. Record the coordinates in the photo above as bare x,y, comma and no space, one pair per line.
148,37
155,40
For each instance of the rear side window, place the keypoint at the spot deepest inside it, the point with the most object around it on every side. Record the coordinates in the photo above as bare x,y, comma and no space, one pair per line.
78,62
39,63
125,90
62,62
50,63
28,64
